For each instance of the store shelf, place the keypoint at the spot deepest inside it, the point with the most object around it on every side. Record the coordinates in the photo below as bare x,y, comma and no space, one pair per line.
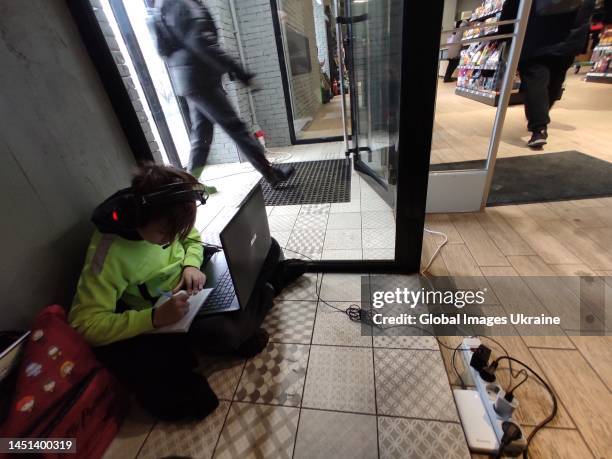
488,97
485,17
476,67
594,77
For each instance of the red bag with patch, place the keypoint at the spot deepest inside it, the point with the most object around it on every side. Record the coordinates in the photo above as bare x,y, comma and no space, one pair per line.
62,391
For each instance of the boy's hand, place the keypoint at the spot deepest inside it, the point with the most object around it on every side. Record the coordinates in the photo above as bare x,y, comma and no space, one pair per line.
193,281
171,311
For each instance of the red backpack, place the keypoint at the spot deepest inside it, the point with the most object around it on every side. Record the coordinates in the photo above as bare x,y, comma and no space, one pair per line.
62,391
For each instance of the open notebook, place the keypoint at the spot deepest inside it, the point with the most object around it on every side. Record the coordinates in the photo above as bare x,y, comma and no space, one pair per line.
182,326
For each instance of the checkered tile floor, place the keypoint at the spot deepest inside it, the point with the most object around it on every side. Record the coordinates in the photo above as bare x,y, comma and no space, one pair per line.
361,229
324,387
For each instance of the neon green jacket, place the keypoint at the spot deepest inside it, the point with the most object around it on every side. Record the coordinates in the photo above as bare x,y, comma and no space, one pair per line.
114,269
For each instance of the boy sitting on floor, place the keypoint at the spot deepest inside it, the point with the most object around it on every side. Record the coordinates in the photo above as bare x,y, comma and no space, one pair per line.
145,245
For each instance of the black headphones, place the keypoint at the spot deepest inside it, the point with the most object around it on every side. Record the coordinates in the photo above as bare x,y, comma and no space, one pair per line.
124,209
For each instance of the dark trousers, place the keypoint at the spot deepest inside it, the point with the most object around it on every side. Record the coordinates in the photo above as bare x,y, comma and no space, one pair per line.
159,369
211,107
453,63
541,83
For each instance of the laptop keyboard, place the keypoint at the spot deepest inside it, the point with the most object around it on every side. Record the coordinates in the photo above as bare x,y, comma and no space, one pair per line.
223,294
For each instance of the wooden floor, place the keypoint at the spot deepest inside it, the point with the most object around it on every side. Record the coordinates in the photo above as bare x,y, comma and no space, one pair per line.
564,238
581,121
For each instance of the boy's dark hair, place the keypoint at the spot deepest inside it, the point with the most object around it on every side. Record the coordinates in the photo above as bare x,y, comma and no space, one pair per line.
177,217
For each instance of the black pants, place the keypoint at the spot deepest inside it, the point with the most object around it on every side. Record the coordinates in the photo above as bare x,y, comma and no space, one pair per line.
212,106
453,63
541,83
159,369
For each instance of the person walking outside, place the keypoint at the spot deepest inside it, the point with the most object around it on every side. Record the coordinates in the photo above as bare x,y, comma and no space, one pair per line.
187,39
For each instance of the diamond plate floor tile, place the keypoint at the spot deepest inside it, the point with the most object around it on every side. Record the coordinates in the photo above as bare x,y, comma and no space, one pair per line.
342,255
315,208
291,321
334,327
345,220
373,205
222,373
343,207
286,210
343,287
340,378
282,237
325,434
192,439
314,221
378,238
380,219
304,288
378,254
306,241
406,342
275,376
258,431
281,222
413,383
416,439
336,239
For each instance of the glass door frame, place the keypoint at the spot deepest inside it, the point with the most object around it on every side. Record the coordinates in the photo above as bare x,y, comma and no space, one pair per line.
385,189
415,129
281,51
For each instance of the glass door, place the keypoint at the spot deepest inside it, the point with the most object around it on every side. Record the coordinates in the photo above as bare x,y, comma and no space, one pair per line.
373,42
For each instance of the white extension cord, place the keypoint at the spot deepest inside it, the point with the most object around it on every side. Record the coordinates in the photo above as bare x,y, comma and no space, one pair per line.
437,252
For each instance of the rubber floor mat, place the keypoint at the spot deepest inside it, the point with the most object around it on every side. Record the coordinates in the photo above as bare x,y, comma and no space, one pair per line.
314,182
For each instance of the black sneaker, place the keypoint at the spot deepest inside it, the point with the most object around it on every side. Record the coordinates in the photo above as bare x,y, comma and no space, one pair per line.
280,173
538,139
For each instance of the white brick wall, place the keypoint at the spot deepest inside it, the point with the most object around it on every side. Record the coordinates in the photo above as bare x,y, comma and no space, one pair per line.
127,78
259,44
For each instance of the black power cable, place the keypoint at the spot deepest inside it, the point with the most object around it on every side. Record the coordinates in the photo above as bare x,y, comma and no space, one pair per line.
357,314
548,418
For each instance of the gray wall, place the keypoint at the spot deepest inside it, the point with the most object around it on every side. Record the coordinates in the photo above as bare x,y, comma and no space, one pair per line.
62,150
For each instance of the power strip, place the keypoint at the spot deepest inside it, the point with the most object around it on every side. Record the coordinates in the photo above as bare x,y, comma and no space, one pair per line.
488,394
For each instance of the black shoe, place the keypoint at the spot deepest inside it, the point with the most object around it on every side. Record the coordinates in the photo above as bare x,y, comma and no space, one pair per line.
538,139
255,344
280,174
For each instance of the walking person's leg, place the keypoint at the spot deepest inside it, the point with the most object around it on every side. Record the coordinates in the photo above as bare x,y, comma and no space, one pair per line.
558,71
215,106
450,69
201,137
535,78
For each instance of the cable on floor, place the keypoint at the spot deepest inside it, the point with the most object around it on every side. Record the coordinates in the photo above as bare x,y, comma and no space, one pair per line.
357,314
435,254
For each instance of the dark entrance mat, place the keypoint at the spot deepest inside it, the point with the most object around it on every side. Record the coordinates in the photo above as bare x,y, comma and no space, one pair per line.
314,182
543,177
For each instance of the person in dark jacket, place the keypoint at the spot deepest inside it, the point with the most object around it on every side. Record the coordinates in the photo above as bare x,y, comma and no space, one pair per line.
188,40
556,33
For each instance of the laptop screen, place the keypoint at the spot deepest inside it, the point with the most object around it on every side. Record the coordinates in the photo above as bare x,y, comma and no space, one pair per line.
246,242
